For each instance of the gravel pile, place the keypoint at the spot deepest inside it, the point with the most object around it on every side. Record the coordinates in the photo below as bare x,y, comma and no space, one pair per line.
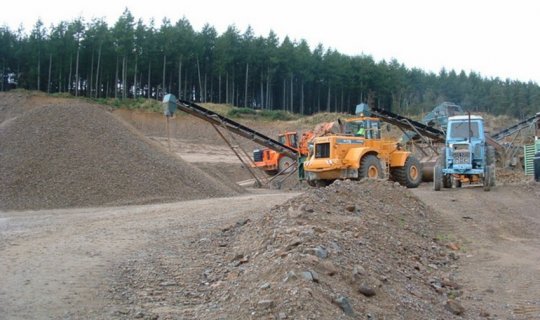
80,155
352,250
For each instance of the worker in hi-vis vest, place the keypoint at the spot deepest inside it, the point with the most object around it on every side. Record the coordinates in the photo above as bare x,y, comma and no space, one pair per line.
361,131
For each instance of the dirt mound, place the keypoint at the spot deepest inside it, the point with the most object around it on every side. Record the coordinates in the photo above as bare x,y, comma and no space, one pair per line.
360,249
350,249
80,155
511,176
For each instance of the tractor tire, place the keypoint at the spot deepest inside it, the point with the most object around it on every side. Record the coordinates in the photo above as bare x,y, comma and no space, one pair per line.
492,181
447,181
370,167
487,178
457,183
311,183
286,165
490,155
437,178
410,175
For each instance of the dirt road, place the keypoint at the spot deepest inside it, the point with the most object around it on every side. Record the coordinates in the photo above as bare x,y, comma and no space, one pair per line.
63,263
498,234
57,264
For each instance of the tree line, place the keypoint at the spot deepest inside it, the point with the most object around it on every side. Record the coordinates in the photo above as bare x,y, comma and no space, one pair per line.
133,59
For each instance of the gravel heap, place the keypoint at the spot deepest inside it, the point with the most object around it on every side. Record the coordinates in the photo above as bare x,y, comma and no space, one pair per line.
362,250
80,155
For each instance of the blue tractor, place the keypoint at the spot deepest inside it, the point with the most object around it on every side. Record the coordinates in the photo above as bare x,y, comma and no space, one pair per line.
466,159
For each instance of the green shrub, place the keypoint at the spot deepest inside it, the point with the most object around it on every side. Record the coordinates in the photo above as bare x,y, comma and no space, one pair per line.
277,115
239,112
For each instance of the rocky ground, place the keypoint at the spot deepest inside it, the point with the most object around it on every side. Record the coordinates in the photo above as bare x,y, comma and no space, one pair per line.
352,250
360,250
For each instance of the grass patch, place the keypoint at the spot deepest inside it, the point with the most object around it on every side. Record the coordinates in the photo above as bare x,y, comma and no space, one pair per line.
241,112
142,104
280,115
270,115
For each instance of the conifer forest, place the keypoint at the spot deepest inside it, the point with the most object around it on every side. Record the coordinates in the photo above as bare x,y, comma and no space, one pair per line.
133,59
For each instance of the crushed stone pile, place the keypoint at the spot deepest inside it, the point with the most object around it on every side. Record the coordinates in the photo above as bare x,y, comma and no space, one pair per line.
352,250
511,176
80,155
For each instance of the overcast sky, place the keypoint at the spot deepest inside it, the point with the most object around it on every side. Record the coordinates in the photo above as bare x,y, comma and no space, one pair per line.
494,38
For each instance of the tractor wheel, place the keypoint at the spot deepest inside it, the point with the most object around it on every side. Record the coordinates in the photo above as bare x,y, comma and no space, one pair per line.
447,181
487,178
286,164
410,175
370,167
492,179
490,155
311,183
437,178
457,182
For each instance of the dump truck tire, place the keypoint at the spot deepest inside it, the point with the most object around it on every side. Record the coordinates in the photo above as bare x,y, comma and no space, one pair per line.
286,164
270,172
370,167
410,175
437,178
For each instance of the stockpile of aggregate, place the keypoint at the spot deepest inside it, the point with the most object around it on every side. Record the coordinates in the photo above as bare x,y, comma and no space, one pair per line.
80,155
352,250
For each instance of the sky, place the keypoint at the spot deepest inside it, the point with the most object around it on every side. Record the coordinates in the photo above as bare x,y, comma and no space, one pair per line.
493,38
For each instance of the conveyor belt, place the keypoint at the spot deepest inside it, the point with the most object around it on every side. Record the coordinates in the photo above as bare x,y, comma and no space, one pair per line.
515,128
409,124
235,127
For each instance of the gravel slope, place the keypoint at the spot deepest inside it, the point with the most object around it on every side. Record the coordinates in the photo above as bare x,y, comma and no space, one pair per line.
80,155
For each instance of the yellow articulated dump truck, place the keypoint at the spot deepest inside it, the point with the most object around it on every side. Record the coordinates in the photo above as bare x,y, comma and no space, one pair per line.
359,151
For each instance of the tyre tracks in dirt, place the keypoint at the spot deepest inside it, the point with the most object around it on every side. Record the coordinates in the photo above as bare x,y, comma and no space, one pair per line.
498,233
57,263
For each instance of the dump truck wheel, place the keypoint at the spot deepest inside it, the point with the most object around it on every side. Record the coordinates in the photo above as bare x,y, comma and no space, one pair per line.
370,167
487,178
410,175
286,164
271,172
437,178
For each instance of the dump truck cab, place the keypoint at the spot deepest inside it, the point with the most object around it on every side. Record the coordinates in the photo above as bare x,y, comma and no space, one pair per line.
360,151
273,162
